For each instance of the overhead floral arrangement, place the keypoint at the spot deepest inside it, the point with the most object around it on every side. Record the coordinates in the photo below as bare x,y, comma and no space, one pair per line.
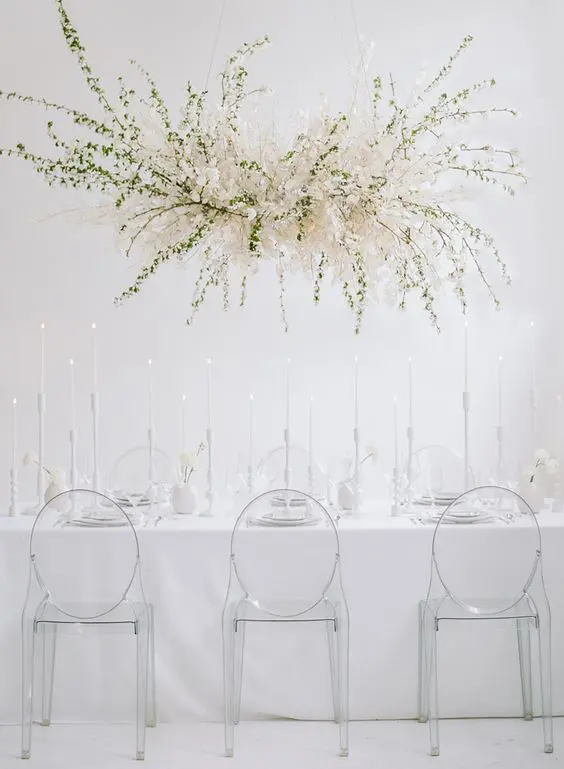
369,202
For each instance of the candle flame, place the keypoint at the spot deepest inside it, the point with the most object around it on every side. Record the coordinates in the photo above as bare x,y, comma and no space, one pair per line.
94,327
71,361
465,324
251,397
209,361
559,398
288,361
410,361
532,324
501,358
150,362
311,400
395,400
15,402
42,326
183,397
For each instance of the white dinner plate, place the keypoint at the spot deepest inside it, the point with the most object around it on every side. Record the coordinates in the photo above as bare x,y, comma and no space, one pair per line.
275,522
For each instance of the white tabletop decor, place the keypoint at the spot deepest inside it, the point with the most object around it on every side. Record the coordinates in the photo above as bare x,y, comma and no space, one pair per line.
367,197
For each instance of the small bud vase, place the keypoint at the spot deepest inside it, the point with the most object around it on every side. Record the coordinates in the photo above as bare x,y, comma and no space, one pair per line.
184,499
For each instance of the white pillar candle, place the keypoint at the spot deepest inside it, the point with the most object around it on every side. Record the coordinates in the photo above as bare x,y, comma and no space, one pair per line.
288,395
150,390
14,434
251,430
183,426
466,356
94,360
72,395
500,391
42,377
209,376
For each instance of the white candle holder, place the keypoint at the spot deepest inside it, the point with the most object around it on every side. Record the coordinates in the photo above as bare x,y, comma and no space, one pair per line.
356,504
287,458
41,404
500,468
73,473
210,495
410,437
13,492
395,492
466,408
95,407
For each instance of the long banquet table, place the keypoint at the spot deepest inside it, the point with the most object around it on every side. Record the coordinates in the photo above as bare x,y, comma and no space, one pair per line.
185,565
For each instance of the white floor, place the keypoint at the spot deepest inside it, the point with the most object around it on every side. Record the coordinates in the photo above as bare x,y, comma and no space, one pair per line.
466,744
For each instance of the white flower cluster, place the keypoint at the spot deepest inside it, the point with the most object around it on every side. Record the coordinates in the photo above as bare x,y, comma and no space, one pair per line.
368,200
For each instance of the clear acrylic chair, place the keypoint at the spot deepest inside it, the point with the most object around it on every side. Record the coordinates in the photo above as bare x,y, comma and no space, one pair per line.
285,567
141,479
271,471
505,571
71,588
436,470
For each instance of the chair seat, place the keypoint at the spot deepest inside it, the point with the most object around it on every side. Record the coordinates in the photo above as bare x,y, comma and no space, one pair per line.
447,609
126,613
294,610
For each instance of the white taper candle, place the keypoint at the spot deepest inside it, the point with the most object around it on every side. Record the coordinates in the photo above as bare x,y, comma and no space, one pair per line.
150,391
251,431
183,426
14,434
42,377
72,395
94,360
209,397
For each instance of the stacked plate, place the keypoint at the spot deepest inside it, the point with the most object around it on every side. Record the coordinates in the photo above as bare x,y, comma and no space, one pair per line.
287,512
462,516
129,499
440,499
101,518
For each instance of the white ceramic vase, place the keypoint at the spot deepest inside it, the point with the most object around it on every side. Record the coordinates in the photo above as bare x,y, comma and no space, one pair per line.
184,499
51,491
540,489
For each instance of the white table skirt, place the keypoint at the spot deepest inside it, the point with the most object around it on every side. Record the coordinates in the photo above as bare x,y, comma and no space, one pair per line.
185,566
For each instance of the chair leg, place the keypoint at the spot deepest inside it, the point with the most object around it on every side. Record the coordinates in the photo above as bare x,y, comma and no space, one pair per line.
151,683
238,657
433,689
545,662
228,680
49,648
142,629
342,633
28,662
331,628
422,688
524,646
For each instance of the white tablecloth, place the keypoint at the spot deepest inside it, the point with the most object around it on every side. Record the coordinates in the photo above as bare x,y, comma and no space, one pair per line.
185,565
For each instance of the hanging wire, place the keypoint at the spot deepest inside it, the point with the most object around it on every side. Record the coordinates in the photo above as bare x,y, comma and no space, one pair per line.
363,63
215,42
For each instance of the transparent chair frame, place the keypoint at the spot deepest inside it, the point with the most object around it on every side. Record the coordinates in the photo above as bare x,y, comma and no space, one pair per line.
527,612
427,470
42,622
158,476
241,608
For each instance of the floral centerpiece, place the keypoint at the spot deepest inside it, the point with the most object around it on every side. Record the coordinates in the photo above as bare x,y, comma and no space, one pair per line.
367,200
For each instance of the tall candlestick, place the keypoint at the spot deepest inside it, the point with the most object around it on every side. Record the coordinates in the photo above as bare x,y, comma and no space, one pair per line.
310,467
251,430
150,391
533,357
94,360
356,405
410,373
499,390
13,509
288,394
396,446
183,426
209,379
72,395
533,392
466,356
14,433
42,378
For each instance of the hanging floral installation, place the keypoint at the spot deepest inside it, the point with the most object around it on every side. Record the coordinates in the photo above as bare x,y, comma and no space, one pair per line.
366,201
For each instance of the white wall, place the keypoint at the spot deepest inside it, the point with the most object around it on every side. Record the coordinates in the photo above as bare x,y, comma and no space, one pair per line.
64,272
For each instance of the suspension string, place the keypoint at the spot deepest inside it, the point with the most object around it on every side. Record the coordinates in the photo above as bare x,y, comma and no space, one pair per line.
363,63
215,42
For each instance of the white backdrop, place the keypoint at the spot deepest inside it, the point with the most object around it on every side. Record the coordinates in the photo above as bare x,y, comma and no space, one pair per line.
61,271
